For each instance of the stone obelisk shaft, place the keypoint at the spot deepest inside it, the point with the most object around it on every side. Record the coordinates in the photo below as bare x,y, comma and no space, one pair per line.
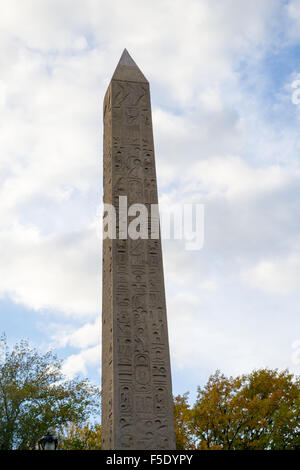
137,406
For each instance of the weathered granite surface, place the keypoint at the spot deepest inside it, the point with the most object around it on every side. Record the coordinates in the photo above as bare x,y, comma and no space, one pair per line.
137,407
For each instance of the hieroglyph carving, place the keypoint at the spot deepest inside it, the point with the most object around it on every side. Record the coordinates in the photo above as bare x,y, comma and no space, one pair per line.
137,407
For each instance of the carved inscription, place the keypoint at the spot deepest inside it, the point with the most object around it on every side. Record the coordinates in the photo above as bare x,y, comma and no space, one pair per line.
137,408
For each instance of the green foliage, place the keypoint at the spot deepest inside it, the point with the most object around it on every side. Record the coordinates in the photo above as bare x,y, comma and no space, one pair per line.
35,396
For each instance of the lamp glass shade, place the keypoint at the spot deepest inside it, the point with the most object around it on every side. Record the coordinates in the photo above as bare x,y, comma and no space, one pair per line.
49,445
48,442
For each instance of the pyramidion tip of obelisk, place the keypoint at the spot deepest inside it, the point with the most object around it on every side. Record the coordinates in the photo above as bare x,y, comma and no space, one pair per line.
127,69
126,59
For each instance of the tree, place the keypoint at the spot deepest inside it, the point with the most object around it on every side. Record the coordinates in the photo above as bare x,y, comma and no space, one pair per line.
273,403
183,423
35,396
86,437
260,410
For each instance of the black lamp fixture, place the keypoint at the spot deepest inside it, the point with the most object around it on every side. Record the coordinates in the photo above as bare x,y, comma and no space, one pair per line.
48,442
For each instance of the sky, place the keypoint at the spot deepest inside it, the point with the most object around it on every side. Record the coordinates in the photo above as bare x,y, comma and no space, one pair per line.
223,77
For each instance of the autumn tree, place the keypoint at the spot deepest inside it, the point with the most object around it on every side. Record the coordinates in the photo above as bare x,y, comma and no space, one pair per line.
85,437
260,410
183,423
35,396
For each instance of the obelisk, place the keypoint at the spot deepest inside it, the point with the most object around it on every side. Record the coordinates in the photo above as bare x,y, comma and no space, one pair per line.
137,405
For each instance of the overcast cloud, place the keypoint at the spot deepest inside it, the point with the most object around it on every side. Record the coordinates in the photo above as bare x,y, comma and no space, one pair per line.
226,135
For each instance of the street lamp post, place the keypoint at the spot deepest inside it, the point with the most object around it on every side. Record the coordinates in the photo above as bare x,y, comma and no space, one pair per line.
48,442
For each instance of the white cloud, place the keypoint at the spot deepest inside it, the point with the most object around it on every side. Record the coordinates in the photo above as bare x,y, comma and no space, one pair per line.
51,272
293,13
87,335
215,143
228,334
232,177
276,276
78,363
